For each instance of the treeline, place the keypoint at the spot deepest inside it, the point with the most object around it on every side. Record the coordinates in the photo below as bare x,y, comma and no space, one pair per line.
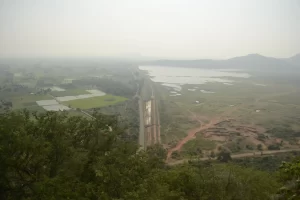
110,86
269,163
52,156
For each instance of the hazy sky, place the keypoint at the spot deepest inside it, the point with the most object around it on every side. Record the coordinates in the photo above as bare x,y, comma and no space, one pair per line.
154,28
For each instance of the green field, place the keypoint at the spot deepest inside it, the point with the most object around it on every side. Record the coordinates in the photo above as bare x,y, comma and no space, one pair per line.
27,101
71,92
277,103
95,102
200,143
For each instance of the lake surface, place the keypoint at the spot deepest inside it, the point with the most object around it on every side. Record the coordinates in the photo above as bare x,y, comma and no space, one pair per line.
176,76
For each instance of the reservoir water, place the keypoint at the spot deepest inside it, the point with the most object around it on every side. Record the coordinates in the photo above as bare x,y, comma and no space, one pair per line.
176,76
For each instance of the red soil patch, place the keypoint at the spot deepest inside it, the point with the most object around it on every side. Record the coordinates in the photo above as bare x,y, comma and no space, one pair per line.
191,135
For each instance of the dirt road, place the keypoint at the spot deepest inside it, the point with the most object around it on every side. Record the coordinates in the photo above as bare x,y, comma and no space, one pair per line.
191,135
242,155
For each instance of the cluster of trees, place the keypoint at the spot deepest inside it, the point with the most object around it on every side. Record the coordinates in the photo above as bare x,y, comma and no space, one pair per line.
43,91
53,156
5,75
128,116
43,83
5,105
109,86
115,87
286,133
274,147
290,174
12,89
269,163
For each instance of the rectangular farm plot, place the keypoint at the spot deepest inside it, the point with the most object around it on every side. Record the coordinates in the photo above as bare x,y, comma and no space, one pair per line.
96,92
91,93
25,101
57,107
70,92
95,102
66,98
52,105
47,102
54,88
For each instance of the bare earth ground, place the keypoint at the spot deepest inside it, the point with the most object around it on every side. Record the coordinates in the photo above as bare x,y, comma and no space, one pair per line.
218,129
191,133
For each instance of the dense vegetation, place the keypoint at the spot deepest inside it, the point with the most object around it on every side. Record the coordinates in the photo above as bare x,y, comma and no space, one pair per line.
110,86
52,156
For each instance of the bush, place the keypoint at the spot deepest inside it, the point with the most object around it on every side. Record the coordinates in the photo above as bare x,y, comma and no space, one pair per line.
175,155
261,137
212,154
274,147
224,156
259,147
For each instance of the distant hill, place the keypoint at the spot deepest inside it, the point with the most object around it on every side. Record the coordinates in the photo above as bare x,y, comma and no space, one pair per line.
294,60
249,62
257,62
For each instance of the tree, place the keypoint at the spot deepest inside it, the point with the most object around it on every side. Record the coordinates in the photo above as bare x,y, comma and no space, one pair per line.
52,156
175,155
274,147
259,147
224,156
212,154
290,176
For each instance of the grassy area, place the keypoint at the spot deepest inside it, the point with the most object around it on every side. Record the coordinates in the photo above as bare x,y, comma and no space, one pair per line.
95,102
276,103
199,143
26,101
71,92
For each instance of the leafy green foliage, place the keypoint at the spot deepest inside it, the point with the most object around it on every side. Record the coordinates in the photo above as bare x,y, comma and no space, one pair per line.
224,155
284,132
53,156
109,86
290,175
268,163
218,182
274,147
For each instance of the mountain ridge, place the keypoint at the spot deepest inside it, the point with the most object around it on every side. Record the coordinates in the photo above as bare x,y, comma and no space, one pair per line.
250,61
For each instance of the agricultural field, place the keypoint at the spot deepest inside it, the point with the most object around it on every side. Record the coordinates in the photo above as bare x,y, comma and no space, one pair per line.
199,144
70,92
95,102
22,84
26,101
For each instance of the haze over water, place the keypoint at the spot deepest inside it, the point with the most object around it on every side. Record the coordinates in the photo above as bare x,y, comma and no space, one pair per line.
180,75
